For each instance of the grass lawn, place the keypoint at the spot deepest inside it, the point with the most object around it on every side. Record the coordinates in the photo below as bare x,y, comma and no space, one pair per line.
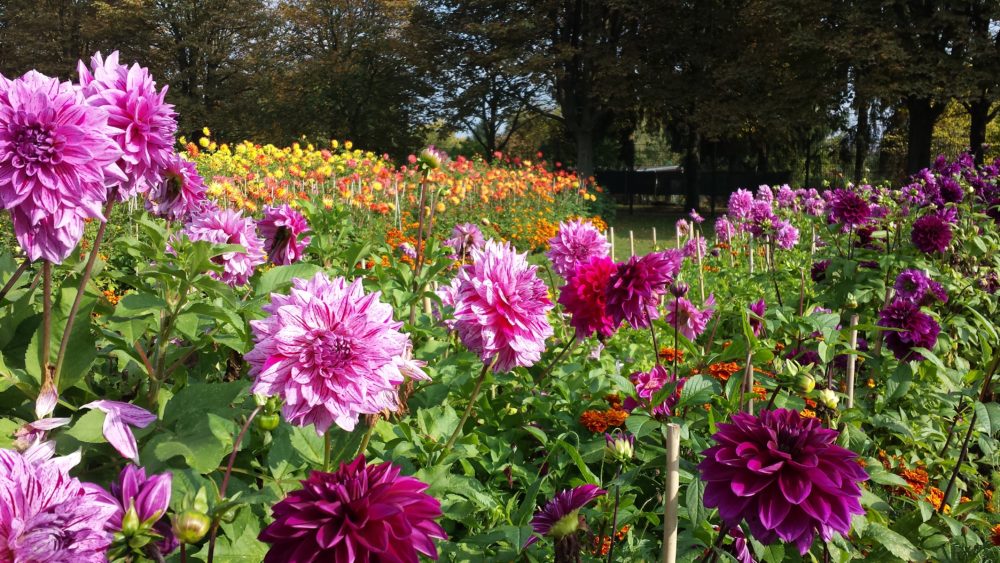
642,222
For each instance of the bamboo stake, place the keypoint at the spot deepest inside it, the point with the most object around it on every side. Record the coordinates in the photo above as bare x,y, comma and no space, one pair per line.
701,270
654,237
631,242
852,359
748,379
670,497
612,244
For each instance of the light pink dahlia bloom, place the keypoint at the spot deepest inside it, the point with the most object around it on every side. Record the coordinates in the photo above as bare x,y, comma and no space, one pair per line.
282,228
226,226
146,123
576,242
331,351
501,307
57,159
46,515
179,193
688,319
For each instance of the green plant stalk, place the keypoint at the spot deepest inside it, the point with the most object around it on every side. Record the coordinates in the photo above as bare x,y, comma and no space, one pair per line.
225,481
552,364
368,435
468,409
48,381
88,271
14,277
614,517
327,449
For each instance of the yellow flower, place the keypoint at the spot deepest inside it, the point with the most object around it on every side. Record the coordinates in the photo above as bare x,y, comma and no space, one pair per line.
206,132
204,142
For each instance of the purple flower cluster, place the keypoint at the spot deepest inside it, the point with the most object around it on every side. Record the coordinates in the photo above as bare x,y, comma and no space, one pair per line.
283,228
227,226
575,243
931,234
914,328
918,287
465,238
688,319
635,289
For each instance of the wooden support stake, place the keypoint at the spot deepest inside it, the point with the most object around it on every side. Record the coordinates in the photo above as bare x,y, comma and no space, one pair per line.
852,359
631,243
670,497
612,244
654,238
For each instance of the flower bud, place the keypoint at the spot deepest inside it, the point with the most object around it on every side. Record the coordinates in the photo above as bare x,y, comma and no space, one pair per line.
805,383
852,301
620,446
130,522
191,526
679,289
828,398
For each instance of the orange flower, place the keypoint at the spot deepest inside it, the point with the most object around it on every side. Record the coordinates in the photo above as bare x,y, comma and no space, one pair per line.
806,413
917,480
995,537
935,496
669,354
760,392
723,370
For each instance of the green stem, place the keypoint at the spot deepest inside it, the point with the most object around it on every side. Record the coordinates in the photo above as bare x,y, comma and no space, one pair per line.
14,277
87,273
468,409
368,435
555,360
225,480
327,449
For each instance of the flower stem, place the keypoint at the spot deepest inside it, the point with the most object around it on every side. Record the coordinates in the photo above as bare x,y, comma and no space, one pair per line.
88,270
327,449
225,481
49,384
468,409
711,555
14,277
555,360
614,516
368,435
774,395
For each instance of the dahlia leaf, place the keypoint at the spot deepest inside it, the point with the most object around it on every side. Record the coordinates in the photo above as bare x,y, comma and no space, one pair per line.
988,417
279,279
574,454
894,543
698,390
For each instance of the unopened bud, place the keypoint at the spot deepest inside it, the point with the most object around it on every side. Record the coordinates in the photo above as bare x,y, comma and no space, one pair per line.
191,526
828,398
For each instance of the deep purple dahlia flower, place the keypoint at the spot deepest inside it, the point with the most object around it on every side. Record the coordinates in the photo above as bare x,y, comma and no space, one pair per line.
330,350
282,228
226,226
576,242
179,193
146,123
585,298
46,515
784,475
914,285
635,290
361,512
57,159
501,307
757,322
918,329
818,270
560,517
848,208
931,234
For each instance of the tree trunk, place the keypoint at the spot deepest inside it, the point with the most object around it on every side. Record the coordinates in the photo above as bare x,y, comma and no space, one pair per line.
809,154
861,140
919,132
979,111
584,152
692,166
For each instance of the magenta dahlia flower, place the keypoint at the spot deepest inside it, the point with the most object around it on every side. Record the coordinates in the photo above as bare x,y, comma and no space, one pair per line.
561,516
118,416
46,515
740,203
635,289
784,475
757,322
148,499
576,242
648,383
501,307
917,329
330,350
585,298
57,159
848,208
724,230
931,234
226,226
146,123
282,228
688,319
786,234
179,194
358,513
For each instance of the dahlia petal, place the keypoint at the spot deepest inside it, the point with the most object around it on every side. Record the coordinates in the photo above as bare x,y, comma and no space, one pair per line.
794,486
773,510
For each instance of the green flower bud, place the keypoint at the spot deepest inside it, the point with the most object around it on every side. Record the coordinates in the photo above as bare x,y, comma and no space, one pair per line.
130,522
805,383
828,398
191,526
268,422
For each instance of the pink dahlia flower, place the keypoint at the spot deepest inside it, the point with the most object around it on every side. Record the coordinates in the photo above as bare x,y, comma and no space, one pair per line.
46,515
501,307
648,383
117,418
57,159
784,475
226,226
331,351
576,242
282,228
635,290
560,517
179,193
148,498
358,513
688,319
585,298
146,123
